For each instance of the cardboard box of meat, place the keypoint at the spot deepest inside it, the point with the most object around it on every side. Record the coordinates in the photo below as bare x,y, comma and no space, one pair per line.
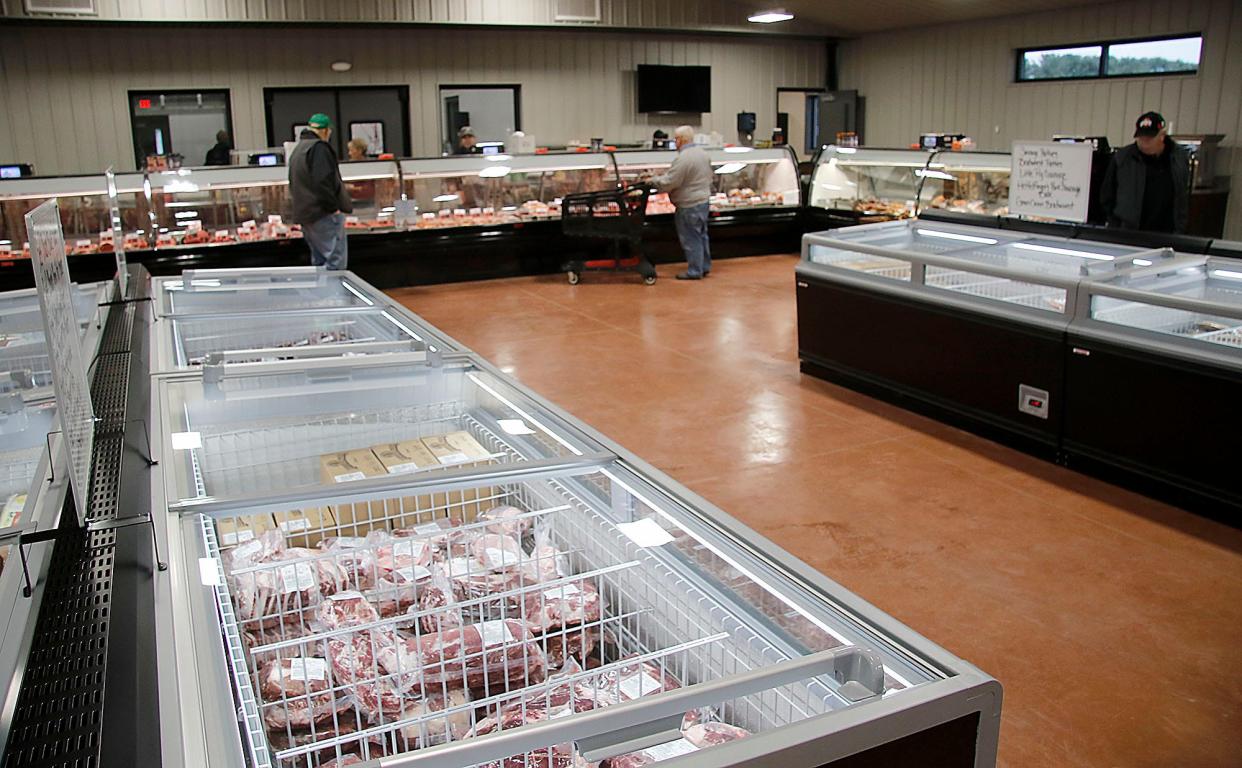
348,466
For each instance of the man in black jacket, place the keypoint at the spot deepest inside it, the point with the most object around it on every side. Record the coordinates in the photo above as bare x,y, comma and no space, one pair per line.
1148,183
320,200
219,154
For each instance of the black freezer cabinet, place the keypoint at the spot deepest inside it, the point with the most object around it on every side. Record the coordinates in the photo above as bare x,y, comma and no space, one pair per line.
1154,377
965,323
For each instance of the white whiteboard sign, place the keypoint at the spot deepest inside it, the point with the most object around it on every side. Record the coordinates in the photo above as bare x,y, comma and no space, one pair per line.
64,346
1050,179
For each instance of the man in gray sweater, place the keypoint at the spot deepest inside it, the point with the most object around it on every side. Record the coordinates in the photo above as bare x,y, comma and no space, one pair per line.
689,186
320,200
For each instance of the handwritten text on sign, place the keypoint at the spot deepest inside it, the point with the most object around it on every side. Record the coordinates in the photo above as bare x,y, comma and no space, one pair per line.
1050,179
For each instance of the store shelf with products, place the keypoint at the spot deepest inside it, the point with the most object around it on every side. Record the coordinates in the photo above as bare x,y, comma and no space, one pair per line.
421,560
415,221
956,319
860,185
996,330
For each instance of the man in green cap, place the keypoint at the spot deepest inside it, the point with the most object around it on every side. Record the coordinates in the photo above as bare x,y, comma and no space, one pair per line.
320,201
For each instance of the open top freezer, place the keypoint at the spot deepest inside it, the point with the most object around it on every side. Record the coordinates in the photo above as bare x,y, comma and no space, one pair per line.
24,363
254,428
186,342
216,291
578,615
989,269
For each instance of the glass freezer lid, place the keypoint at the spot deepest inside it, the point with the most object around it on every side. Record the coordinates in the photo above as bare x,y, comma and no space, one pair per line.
236,431
192,341
571,591
1199,301
260,290
24,428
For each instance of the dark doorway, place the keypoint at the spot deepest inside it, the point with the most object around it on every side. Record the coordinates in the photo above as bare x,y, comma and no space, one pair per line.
178,122
377,113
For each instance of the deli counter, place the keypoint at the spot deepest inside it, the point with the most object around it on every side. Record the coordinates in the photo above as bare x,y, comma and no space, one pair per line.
860,185
1105,356
415,221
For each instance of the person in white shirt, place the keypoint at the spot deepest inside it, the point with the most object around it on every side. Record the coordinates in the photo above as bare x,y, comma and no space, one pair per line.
689,186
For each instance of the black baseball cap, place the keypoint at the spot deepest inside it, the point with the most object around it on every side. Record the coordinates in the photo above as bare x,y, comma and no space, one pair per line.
1149,124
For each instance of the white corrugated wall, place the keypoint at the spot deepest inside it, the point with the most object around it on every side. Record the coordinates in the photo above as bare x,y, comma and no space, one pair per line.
959,77
63,89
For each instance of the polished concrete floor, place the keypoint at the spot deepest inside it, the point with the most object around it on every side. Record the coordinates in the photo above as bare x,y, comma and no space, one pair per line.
1112,620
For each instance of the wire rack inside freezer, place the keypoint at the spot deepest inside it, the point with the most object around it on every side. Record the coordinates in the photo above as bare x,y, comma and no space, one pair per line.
197,338
440,617
1215,329
1045,297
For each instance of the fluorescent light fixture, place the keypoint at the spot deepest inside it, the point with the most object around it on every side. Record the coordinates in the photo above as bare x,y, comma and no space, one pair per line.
935,175
1228,273
955,236
1063,251
495,172
6,242
847,150
770,17
341,66
728,168
739,150
177,185
444,198
497,158
1142,263
389,209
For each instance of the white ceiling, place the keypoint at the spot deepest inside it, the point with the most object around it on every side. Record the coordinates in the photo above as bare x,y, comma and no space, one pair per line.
855,17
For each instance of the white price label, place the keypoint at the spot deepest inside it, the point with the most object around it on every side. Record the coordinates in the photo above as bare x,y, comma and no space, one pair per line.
350,542
247,550
414,573
411,548
297,577
208,573
307,669
670,750
515,427
295,525
244,535
403,469
494,633
637,686
645,532
222,233
427,528
461,566
561,593
454,458
349,477
500,558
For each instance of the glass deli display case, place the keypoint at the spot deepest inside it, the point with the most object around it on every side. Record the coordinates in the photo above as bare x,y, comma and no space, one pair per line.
968,321
85,211
422,562
864,185
1163,343
744,178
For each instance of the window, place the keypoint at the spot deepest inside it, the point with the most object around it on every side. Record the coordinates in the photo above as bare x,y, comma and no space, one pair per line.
179,124
493,112
1122,58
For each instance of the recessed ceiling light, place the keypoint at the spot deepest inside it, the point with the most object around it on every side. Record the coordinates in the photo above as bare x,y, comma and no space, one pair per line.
342,66
770,17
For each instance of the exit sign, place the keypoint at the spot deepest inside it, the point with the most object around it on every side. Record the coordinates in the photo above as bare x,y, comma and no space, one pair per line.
144,103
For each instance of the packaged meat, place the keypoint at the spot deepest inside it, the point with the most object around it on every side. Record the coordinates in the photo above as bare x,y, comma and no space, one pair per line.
710,734
576,643
505,521
560,756
400,591
342,761
497,552
345,609
395,554
427,730
503,652
564,605
571,693
355,557
296,693
693,738
344,724
437,533
255,637
438,604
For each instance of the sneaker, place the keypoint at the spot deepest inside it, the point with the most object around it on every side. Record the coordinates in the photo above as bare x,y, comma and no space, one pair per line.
688,276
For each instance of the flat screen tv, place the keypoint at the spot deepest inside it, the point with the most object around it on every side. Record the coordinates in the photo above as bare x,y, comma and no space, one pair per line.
674,89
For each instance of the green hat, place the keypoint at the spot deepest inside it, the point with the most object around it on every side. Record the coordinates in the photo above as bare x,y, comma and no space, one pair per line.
319,120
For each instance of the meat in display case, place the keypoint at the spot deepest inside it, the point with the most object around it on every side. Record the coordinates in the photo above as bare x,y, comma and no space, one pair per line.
744,178
421,561
859,185
969,322
1164,343
85,212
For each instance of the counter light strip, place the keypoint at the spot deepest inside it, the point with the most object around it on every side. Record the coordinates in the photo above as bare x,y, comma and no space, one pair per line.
955,236
1228,273
357,293
400,325
1064,251
801,611
524,414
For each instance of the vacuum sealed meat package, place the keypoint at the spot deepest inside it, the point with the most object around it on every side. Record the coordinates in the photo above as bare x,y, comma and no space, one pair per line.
506,521
296,692
345,609
492,652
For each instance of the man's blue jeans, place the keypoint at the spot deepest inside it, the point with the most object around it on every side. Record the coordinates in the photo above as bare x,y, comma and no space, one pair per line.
328,244
692,232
